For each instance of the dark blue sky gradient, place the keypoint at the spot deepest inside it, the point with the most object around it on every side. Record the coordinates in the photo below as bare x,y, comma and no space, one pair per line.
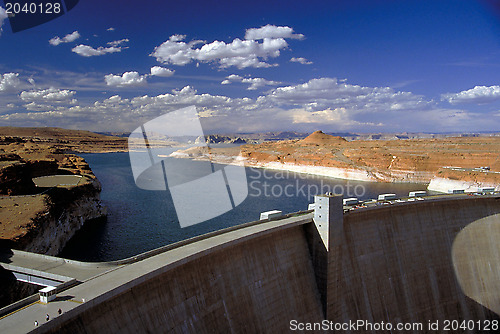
428,48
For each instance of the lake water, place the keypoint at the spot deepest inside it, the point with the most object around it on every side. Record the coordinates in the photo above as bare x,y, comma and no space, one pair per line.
140,220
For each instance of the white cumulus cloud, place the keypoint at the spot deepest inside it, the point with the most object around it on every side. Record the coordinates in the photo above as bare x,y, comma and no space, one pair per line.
118,42
232,78
161,71
126,79
66,39
324,93
88,51
326,103
9,82
47,95
255,83
301,60
261,44
478,94
271,31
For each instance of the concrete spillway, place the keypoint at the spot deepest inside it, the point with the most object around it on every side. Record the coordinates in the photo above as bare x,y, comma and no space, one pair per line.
399,263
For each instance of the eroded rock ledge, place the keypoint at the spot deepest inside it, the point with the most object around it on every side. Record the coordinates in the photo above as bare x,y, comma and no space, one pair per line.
43,219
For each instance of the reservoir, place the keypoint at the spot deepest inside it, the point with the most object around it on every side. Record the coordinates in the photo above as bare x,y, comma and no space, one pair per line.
140,220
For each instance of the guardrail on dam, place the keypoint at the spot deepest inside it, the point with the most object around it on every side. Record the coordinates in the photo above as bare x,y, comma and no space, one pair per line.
404,263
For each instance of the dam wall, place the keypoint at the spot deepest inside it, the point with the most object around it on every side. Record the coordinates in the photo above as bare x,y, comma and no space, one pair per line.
396,265
255,284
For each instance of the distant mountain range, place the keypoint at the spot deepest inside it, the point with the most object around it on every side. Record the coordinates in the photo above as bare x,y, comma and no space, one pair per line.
255,138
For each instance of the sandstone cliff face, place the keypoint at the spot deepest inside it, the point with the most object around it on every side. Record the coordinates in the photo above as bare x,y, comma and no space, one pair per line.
67,211
42,220
417,160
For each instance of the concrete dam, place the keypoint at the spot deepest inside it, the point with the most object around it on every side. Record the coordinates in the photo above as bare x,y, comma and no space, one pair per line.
406,263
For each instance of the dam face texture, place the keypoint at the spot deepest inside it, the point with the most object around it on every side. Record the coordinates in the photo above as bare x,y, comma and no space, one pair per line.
419,262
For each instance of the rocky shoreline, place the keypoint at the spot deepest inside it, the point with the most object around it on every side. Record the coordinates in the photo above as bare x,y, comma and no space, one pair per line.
432,182
421,161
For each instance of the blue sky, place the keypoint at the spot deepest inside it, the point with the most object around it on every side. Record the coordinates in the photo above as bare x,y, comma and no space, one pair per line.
360,66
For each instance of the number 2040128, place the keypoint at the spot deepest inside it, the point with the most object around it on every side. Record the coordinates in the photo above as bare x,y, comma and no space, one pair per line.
33,8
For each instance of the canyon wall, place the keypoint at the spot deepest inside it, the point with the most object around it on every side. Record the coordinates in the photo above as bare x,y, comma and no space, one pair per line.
68,210
43,219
